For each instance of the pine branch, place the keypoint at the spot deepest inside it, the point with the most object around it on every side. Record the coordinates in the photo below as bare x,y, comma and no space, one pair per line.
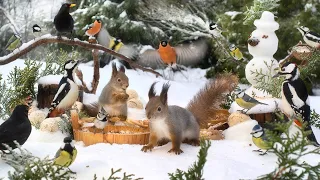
114,177
290,149
47,39
195,172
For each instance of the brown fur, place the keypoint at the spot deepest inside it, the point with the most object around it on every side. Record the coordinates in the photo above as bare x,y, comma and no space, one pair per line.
205,103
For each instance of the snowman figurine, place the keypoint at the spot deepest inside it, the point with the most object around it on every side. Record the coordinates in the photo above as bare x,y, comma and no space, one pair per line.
262,45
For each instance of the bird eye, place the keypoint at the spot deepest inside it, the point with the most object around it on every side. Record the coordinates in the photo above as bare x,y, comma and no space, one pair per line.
119,80
159,109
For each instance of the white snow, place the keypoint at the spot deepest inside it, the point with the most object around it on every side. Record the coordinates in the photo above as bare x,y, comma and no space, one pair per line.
123,14
227,159
232,14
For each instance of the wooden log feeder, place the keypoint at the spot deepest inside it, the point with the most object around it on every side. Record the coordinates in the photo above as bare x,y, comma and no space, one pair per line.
263,117
46,93
110,134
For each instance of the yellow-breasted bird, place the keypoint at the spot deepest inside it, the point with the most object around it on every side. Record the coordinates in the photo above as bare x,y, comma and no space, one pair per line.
235,52
259,139
247,102
13,43
129,50
67,153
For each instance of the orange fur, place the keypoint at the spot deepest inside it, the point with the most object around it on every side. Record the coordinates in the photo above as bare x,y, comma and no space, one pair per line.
167,54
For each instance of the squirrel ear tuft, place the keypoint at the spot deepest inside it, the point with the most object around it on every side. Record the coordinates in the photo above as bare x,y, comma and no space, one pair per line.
122,69
114,69
164,93
152,92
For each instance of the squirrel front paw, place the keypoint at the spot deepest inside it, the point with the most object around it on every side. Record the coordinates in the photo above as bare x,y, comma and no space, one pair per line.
175,150
100,124
146,148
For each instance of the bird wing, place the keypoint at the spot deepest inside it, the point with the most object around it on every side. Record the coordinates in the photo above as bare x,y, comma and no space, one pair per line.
63,158
130,51
150,58
190,54
61,93
104,37
313,36
14,130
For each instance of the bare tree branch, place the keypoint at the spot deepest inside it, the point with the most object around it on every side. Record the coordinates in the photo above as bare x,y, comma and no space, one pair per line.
13,24
47,39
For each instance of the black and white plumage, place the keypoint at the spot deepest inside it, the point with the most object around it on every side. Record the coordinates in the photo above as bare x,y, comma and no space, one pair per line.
36,29
295,98
68,91
16,128
311,38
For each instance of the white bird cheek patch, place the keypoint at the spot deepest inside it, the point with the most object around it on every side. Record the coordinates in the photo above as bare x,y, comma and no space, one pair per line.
295,98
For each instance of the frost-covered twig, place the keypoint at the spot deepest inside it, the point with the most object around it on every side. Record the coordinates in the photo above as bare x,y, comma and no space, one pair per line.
47,39
13,24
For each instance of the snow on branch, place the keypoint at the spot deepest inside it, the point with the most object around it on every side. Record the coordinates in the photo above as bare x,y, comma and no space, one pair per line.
13,24
47,39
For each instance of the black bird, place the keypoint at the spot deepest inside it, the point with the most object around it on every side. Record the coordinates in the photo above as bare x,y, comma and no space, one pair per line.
16,128
63,21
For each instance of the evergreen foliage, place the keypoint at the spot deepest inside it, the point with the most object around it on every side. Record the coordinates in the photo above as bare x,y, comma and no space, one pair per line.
290,150
267,83
29,167
114,177
21,82
195,172
255,11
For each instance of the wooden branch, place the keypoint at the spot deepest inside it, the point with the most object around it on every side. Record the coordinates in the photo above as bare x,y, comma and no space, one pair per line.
47,39
84,85
96,73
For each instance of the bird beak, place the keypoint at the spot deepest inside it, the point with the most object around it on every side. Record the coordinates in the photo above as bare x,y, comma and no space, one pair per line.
252,133
72,5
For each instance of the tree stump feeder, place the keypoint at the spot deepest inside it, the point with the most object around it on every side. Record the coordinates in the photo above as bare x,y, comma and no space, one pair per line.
263,117
110,134
46,93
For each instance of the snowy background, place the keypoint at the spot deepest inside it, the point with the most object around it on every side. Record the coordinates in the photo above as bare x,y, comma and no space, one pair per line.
226,159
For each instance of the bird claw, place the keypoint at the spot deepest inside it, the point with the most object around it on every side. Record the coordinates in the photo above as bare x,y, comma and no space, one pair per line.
257,150
264,153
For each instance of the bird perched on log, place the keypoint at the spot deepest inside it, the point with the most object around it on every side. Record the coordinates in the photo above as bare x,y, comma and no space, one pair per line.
16,128
186,54
94,29
67,153
13,43
63,21
247,102
295,98
311,38
68,90
129,50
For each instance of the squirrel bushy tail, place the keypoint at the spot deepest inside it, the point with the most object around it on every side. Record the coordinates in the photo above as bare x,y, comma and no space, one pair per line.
205,103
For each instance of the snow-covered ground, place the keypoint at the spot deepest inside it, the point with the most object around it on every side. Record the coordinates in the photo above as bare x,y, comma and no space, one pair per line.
226,159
